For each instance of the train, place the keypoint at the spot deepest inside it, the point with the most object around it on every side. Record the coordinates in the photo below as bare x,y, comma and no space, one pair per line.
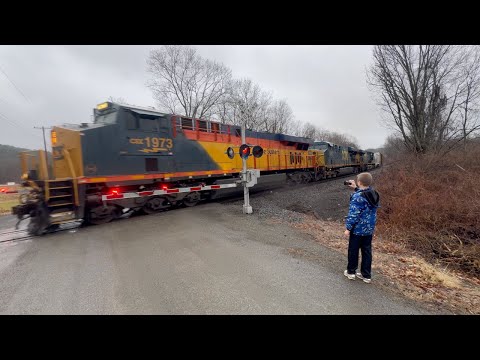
133,158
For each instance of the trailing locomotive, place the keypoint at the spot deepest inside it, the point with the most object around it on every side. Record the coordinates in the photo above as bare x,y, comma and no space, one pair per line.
141,159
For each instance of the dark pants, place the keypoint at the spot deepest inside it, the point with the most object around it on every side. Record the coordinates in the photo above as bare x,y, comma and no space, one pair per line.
356,243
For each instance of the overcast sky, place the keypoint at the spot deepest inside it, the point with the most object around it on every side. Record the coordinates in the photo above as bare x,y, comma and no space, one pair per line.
51,85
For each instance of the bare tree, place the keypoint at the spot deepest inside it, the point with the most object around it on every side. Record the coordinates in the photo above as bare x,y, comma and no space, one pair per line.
469,111
244,101
307,130
394,147
342,139
279,118
336,138
428,91
184,82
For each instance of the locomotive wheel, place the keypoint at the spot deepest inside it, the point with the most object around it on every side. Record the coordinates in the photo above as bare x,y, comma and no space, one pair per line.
102,214
155,205
191,199
35,227
291,181
306,178
295,179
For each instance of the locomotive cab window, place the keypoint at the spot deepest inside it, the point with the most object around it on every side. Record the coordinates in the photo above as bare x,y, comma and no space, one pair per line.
163,123
148,124
132,121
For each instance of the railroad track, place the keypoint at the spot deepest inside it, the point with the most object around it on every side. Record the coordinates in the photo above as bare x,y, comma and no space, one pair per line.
12,235
283,188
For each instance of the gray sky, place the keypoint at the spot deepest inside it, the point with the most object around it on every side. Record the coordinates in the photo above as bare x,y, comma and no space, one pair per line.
324,85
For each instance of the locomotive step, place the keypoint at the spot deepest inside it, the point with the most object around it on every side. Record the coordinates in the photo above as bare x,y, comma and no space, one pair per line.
60,196
63,204
61,187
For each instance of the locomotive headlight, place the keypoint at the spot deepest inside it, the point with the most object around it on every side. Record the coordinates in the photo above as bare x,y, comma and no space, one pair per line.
102,106
230,153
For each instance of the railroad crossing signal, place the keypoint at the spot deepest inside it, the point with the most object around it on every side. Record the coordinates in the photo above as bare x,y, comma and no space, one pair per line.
248,177
244,151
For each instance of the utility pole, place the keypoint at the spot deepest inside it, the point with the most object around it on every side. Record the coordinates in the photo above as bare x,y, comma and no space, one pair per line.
44,143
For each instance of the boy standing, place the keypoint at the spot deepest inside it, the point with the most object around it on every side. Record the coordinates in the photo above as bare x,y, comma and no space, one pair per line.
360,224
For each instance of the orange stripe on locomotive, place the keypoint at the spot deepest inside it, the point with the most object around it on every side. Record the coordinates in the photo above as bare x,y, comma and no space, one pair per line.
278,155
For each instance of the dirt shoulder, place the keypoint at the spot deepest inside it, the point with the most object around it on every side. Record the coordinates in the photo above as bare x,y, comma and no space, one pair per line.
319,209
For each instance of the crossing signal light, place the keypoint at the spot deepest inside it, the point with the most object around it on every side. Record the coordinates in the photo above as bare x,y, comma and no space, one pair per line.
244,151
257,151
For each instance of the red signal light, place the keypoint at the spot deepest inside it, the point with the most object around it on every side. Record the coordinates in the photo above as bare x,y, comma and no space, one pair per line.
244,151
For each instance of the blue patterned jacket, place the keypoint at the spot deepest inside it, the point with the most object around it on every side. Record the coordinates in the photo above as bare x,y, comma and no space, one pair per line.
362,214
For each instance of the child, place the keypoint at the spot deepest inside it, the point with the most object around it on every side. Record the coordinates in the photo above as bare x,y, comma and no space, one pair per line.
360,224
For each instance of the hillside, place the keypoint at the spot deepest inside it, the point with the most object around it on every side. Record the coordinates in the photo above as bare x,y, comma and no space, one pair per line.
10,163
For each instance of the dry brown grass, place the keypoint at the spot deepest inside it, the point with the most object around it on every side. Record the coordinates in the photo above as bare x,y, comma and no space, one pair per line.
432,205
405,271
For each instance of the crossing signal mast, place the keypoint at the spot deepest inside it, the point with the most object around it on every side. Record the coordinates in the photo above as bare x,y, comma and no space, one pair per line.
249,177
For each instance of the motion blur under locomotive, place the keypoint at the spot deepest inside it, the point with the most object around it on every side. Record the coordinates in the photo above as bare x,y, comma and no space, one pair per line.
141,159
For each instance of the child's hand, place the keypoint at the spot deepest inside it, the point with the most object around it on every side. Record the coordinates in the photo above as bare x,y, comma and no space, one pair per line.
347,233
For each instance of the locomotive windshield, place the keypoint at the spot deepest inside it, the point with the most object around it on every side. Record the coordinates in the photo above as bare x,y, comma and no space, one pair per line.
109,118
320,146
105,113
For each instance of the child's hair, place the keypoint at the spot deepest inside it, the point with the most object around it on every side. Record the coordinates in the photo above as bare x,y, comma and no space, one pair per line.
365,178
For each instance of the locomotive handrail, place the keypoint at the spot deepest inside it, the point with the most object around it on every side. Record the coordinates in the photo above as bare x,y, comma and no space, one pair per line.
74,176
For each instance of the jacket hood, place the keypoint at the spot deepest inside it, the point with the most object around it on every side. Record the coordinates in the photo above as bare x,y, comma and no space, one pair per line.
372,196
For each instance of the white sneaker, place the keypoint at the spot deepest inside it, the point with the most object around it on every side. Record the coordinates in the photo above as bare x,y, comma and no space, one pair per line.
349,276
365,280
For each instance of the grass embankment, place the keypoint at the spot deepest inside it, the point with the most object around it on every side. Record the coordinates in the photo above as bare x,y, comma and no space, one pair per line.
7,201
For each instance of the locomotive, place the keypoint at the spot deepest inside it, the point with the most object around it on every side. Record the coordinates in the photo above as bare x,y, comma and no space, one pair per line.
140,159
